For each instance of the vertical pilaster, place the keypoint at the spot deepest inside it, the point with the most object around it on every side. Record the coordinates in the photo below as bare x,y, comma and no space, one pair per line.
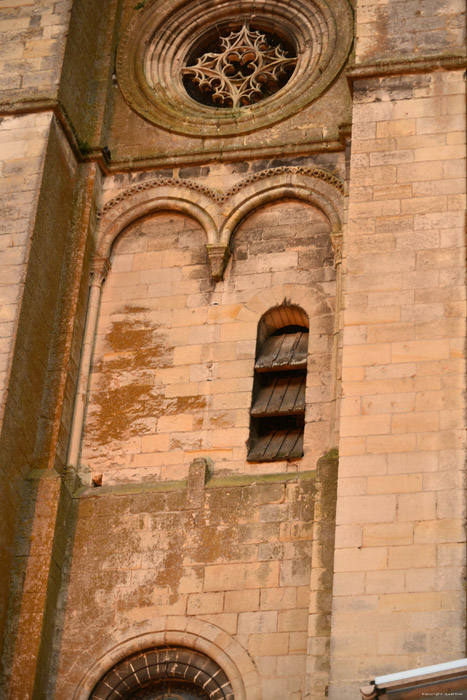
32,36
398,589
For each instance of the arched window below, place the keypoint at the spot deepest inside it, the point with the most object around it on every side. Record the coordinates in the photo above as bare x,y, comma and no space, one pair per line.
165,673
278,405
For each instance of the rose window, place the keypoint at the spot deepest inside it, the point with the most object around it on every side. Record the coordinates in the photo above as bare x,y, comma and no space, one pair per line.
240,69
223,68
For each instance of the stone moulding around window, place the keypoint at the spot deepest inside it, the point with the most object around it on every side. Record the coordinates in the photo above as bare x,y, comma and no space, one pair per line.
160,39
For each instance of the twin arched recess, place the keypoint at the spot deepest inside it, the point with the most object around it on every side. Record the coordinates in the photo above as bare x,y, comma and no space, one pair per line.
219,215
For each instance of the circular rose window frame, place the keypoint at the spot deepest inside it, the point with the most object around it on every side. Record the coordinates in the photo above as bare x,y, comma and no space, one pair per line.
154,49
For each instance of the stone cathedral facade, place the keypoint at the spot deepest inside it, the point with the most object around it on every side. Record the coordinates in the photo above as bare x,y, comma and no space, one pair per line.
232,335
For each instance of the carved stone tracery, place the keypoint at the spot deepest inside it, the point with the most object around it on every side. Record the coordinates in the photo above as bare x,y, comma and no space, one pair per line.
245,69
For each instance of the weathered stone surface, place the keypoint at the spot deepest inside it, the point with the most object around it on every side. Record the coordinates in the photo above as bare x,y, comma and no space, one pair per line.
175,351
154,563
402,356
347,202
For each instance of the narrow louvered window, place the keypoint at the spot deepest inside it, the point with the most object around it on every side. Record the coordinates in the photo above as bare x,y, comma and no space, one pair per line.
278,406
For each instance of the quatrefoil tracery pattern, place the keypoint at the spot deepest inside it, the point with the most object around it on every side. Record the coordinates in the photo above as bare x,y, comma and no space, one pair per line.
246,69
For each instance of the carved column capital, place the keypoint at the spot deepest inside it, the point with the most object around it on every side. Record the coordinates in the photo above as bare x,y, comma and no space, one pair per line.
100,269
219,255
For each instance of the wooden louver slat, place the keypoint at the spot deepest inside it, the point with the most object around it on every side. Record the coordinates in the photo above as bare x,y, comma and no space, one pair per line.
279,444
288,351
278,409
281,395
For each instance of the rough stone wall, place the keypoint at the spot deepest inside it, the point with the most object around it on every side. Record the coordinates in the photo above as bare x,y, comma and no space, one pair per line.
174,357
234,554
32,43
33,409
33,34
226,564
399,599
398,589
24,140
85,90
394,29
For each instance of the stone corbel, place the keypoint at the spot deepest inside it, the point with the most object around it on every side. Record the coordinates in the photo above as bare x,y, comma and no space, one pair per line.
198,474
219,255
336,242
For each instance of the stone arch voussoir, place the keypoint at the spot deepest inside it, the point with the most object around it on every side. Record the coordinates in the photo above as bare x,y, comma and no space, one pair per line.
137,203
314,302
186,633
317,191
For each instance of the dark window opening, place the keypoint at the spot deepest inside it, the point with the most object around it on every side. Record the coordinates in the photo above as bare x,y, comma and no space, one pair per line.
238,66
278,406
170,690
